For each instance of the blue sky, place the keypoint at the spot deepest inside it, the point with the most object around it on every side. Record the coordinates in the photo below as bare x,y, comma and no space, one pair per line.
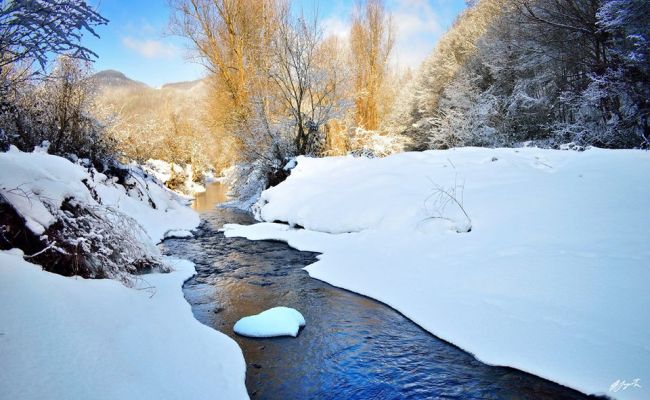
136,41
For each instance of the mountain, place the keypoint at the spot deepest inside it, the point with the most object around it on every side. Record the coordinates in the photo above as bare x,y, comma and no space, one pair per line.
186,85
111,78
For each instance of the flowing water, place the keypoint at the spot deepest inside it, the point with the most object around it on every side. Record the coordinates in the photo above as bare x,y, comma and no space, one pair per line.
352,347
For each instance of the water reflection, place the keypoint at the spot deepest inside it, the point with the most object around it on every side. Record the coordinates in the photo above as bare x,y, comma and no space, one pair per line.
352,347
215,193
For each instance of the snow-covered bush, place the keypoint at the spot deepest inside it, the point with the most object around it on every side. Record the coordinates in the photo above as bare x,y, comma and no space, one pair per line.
447,203
183,180
246,183
88,240
57,109
97,241
367,143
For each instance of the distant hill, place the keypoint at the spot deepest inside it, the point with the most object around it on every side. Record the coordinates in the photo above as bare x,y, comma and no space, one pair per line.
187,85
140,102
112,79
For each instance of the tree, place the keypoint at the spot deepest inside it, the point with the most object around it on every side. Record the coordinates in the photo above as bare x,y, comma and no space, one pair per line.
58,109
70,93
372,37
33,30
306,90
454,49
604,90
627,24
231,39
550,72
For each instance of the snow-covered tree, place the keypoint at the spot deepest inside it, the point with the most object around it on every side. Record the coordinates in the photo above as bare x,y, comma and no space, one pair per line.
457,46
627,77
542,71
32,30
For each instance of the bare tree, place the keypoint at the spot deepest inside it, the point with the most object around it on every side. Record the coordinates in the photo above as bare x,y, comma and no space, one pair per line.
307,90
58,109
71,94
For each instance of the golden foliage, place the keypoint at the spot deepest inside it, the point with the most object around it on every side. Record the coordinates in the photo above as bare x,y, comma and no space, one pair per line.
166,124
372,37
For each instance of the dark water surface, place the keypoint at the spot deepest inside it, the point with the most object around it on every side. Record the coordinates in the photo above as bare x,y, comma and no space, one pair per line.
352,347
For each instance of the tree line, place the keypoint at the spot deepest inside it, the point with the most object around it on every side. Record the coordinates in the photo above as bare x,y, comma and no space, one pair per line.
279,87
550,73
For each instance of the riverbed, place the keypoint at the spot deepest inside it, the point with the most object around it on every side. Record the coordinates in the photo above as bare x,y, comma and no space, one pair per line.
352,346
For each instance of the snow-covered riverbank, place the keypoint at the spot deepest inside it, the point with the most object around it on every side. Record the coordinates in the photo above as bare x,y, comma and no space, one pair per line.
552,278
73,338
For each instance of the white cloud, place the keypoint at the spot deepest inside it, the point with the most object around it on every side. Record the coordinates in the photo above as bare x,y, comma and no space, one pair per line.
334,25
418,29
418,26
150,48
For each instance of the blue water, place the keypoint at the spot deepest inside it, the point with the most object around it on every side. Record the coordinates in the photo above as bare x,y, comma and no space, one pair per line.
352,347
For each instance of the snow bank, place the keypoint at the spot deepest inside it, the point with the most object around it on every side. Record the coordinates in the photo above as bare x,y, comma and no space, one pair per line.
67,338
277,321
71,338
552,278
36,184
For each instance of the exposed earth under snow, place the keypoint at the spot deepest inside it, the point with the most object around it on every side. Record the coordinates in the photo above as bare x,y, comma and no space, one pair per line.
544,268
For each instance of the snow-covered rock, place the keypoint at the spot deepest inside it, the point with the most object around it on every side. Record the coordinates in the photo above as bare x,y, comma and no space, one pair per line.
552,278
36,182
180,233
71,338
277,321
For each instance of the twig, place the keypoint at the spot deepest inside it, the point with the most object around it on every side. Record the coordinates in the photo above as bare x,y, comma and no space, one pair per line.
42,251
446,196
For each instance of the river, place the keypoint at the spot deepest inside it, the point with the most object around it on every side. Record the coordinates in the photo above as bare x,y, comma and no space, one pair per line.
352,346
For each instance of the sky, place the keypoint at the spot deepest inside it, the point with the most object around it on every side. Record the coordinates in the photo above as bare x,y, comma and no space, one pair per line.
137,41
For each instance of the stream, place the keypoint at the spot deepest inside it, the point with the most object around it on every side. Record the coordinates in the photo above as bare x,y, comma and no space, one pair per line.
352,346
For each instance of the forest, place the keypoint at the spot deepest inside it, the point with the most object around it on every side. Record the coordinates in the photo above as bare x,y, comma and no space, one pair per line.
508,73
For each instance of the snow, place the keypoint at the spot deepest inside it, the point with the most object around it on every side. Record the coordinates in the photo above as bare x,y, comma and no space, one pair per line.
32,181
552,278
277,321
162,170
180,233
70,338
36,183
